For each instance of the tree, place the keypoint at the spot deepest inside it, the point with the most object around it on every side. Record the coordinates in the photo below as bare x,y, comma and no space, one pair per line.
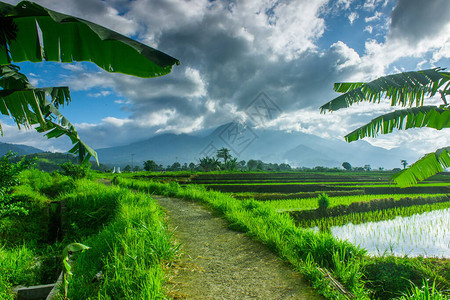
176,166
150,165
404,163
224,153
209,164
406,89
252,164
347,166
127,168
367,168
30,32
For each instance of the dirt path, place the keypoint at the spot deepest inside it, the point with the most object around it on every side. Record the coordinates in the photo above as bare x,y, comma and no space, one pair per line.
218,263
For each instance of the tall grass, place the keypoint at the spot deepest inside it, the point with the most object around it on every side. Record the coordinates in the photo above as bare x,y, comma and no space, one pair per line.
125,259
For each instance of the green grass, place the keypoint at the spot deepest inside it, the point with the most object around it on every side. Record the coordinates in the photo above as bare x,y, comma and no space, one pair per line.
129,248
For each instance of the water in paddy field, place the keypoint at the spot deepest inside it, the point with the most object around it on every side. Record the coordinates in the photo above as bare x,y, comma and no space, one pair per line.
426,234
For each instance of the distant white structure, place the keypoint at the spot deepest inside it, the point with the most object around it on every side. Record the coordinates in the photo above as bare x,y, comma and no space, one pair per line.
114,170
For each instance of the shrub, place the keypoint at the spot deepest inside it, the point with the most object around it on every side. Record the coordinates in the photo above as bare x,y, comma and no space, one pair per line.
9,178
75,171
323,202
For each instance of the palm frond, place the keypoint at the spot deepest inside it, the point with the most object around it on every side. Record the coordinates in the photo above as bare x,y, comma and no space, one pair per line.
416,117
43,34
405,89
430,164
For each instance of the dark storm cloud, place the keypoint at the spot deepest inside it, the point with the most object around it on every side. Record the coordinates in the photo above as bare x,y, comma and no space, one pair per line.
415,20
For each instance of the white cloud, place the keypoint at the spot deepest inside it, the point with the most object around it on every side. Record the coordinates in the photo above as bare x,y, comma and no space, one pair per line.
374,18
368,28
352,17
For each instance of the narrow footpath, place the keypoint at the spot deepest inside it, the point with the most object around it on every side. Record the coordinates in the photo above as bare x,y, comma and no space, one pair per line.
218,263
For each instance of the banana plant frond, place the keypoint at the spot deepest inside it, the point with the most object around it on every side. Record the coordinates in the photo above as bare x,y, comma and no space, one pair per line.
404,89
430,164
415,117
42,34
30,106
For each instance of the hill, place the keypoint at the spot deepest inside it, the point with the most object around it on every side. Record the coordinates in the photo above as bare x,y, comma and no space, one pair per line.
296,148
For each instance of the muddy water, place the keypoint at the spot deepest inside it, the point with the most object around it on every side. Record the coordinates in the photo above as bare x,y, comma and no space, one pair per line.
218,263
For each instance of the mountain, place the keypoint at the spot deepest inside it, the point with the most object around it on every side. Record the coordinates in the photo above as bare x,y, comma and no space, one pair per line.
296,148
19,149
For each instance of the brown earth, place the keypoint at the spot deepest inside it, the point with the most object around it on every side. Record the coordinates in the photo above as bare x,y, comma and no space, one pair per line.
218,263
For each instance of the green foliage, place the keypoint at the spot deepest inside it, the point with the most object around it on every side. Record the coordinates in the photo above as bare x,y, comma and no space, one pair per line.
150,165
50,184
9,178
75,171
323,202
62,39
32,227
405,89
347,166
127,253
16,267
389,277
424,293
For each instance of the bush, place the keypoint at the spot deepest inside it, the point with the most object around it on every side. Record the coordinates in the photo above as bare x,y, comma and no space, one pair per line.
323,202
9,178
75,171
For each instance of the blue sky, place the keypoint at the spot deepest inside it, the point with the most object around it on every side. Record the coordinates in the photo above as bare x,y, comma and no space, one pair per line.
230,51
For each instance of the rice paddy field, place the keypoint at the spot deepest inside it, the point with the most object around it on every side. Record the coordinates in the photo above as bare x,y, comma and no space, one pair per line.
365,208
373,237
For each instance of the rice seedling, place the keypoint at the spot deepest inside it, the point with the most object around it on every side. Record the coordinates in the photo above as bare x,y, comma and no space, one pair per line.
311,203
426,234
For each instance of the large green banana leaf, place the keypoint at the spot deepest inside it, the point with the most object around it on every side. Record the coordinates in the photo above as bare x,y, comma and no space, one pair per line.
415,117
405,89
428,165
29,106
40,33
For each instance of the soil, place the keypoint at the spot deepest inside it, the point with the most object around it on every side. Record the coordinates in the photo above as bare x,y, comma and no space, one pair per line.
219,263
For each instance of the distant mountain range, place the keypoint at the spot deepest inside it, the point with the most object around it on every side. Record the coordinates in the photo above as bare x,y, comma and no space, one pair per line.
19,149
296,148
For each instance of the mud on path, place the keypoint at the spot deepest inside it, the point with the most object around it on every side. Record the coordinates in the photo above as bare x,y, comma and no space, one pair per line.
218,263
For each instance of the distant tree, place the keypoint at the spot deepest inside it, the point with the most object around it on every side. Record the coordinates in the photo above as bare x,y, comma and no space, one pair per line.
347,166
176,166
192,166
185,167
251,164
209,164
285,167
150,165
241,165
127,168
380,169
232,164
136,169
404,163
367,167
224,153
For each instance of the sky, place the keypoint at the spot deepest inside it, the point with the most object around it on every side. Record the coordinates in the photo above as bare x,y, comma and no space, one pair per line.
231,53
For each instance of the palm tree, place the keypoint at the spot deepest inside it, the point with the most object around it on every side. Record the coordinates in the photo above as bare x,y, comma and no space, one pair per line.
404,163
30,32
407,89
224,153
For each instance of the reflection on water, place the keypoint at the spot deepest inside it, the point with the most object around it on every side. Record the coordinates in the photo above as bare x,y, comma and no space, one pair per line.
427,234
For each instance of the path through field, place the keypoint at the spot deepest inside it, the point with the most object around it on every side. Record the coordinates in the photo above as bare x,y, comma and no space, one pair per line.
218,263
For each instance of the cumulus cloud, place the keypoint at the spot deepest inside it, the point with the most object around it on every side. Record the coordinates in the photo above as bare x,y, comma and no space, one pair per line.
231,51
